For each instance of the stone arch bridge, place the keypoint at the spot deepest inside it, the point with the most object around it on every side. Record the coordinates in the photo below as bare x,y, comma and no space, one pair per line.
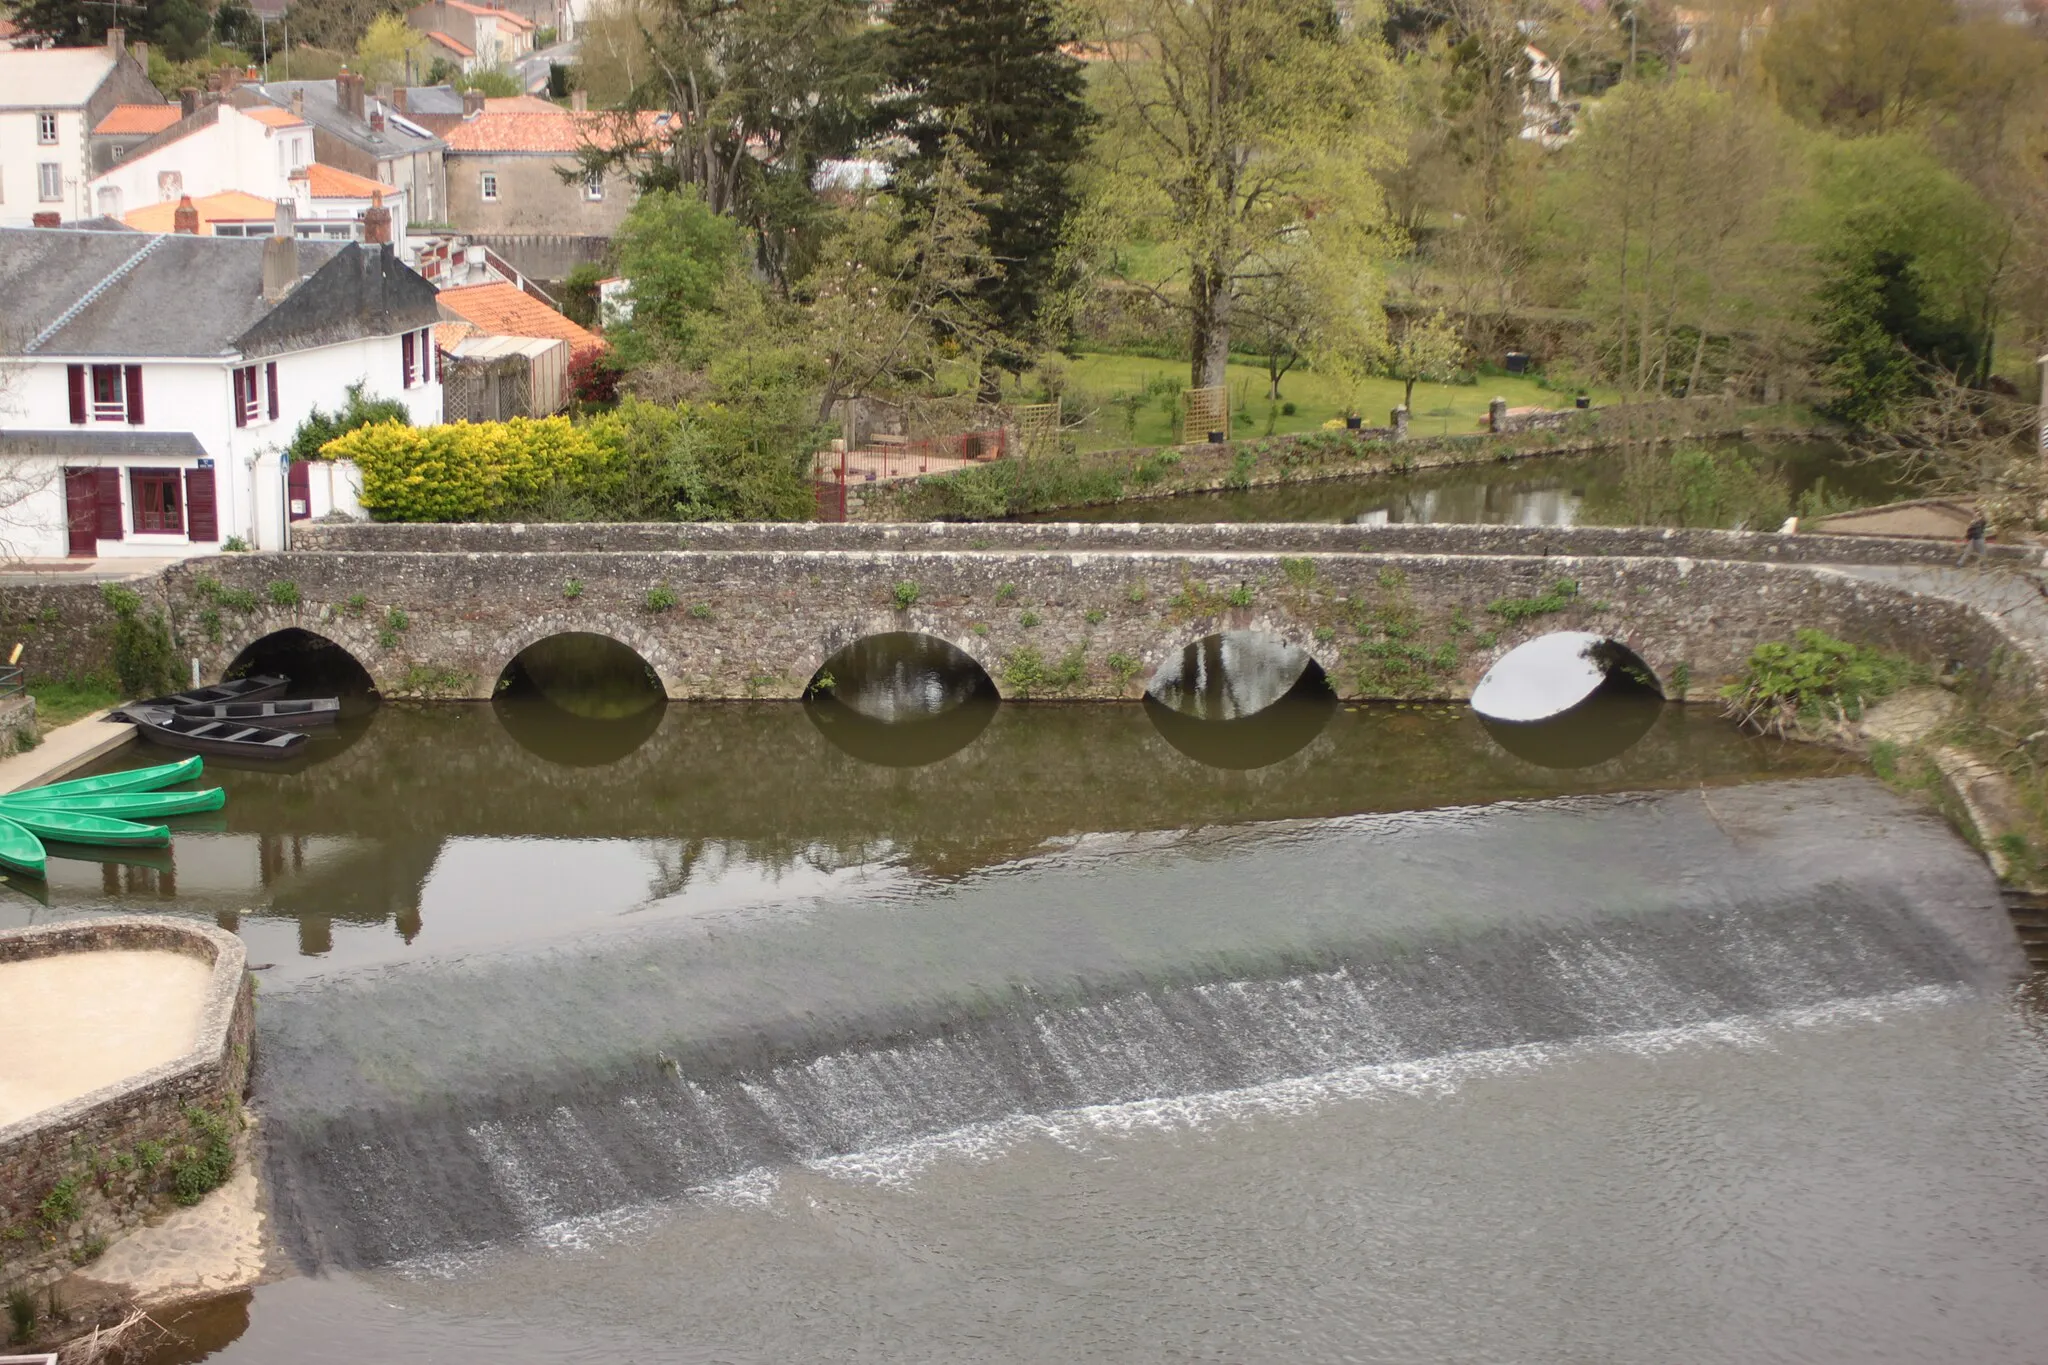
1074,611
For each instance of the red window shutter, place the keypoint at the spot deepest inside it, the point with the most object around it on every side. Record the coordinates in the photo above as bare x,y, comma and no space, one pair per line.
133,385
106,503
406,343
270,377
76,374
201,520
241,397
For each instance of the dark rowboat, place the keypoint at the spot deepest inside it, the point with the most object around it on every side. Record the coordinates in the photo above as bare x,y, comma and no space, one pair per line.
280,715
227,737
260,687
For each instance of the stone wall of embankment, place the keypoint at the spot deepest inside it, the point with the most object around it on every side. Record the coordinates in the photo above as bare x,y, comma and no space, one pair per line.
1081,612
75,1177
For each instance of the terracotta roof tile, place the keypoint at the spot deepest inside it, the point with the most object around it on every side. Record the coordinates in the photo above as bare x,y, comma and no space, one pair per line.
458,48
232,206
504,16
274,117
557,130
504,310
331,182
138,118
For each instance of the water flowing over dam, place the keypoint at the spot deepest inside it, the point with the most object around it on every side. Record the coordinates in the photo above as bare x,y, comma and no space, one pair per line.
413,1112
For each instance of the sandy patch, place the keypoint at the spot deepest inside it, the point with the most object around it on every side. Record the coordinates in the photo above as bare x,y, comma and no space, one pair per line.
78,1021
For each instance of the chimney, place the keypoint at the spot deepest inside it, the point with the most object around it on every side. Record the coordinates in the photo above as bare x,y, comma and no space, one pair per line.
354,102
472,103
46,220
579,101
281,254
377,219
188,101
398,100
185,218
299,100
377,119
141,53
117,41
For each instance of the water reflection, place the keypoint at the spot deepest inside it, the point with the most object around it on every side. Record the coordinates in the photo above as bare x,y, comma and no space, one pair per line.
1240,700
901,700
1603,727
579,700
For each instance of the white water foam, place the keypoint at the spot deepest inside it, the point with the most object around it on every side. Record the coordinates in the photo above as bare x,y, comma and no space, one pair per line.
899,1164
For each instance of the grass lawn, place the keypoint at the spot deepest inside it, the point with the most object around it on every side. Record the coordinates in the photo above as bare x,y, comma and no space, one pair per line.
1440,409
59,701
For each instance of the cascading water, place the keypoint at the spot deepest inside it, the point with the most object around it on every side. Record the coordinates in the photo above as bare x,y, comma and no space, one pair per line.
419,1113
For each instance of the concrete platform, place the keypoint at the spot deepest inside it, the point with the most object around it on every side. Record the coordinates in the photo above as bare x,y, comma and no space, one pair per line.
65,750
78,1021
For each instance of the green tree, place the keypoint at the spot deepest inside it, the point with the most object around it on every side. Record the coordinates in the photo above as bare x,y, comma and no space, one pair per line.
1862,66
989,76
1430,348
1234,128
390,51
677,253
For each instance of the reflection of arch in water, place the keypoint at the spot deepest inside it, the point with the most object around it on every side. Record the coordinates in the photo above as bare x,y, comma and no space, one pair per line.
579,699
1240,699
1570,699
901,699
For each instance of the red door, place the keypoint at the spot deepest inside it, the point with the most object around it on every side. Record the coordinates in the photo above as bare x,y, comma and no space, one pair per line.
298,485
81,511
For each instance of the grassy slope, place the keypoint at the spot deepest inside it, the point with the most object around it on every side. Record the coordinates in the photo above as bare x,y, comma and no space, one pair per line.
59,701
1318,398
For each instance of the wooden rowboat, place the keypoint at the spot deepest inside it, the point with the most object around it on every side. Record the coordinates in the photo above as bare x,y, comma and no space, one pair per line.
277,714
226,737
260,687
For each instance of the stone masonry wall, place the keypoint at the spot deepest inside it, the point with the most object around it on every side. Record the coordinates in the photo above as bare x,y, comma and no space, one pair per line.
1071,622
64,628
76,1177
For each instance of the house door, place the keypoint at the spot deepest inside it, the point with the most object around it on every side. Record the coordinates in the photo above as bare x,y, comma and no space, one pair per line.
298,484
81,512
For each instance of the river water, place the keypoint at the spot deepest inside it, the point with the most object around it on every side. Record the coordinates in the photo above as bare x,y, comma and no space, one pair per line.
1614,488
697,1034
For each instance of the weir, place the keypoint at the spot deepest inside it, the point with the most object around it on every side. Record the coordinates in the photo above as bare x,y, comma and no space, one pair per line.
423,1112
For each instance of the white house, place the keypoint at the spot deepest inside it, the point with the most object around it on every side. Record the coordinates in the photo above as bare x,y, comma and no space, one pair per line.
156,380
50,101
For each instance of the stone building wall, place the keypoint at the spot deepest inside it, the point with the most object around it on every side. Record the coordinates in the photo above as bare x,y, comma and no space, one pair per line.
94,1153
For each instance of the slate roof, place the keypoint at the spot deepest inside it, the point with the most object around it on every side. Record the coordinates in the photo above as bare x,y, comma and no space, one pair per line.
325,114
505,310
129,119
134,295
71,443
433,100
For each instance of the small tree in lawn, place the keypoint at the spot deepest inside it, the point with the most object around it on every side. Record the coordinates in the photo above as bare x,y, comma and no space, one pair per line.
1428,348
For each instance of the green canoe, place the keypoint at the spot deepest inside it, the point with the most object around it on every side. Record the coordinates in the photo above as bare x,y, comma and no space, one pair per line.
84,829
120,805
133,780
20,849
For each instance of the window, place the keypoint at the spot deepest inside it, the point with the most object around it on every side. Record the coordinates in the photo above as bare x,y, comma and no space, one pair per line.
46,129
110,201
155,499
248,394
408,346
49,182
119,151
109,394
593,186
490,187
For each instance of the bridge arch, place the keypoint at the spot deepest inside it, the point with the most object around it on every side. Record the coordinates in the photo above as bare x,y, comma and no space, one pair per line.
1166,650
843,634
901,699
312,653
634,635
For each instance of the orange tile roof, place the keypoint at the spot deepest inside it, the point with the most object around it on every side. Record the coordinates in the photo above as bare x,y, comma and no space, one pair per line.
231,206
520,104
504,310
503,15
558,130
449,335
460,49
275,117
138,118
331,182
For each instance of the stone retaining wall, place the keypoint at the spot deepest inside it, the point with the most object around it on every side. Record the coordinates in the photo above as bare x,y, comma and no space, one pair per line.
111,1156
65,627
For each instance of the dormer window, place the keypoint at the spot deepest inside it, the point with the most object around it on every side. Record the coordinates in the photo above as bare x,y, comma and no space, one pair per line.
46,129
593,186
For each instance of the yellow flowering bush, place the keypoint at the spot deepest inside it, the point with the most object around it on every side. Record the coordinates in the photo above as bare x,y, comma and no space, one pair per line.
471,471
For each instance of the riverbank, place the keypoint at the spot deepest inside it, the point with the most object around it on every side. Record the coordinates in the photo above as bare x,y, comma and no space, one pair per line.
1024,486
64,750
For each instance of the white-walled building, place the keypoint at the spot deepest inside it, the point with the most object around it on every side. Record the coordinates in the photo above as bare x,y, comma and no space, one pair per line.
217,148
148,402
50,101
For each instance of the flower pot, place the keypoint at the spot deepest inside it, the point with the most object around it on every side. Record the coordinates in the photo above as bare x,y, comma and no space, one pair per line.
1353,423
1215,438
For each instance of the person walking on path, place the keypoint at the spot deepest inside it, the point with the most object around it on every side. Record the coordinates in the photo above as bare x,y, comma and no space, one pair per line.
1973,542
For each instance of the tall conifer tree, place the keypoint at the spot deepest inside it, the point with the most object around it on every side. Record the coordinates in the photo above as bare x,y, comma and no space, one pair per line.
991,73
